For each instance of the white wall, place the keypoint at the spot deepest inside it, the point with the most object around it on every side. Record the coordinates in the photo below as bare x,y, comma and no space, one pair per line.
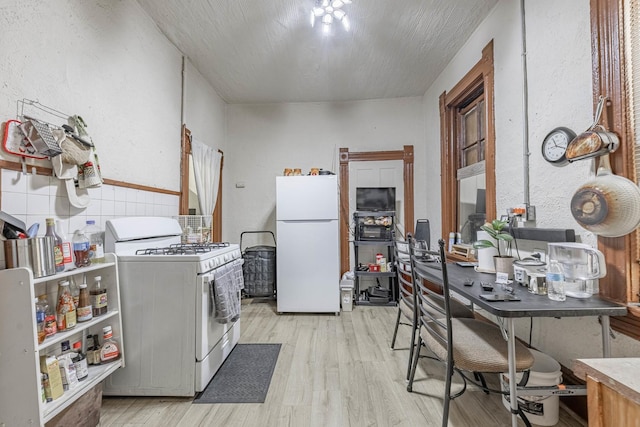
204,109
560,94
263,140
204,116
108,62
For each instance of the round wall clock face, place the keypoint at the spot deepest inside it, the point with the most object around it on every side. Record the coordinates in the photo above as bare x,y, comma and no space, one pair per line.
554,146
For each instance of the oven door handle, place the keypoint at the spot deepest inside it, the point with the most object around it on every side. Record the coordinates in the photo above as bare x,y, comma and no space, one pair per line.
205,287
206,279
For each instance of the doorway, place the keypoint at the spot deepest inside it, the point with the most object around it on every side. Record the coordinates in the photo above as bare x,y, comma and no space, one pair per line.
382,174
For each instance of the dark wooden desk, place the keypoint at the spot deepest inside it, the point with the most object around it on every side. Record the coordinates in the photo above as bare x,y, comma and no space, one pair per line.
530,305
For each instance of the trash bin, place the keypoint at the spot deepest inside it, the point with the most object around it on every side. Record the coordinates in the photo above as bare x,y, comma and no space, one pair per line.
540,410
259,268
346,294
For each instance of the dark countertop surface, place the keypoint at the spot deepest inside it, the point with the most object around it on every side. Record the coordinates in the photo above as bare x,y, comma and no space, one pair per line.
530,305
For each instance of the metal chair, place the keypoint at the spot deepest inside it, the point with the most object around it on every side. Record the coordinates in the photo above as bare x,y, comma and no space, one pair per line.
463,344
423,232
406,303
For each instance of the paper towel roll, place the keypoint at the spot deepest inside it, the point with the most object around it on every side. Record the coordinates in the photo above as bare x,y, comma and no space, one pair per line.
485,255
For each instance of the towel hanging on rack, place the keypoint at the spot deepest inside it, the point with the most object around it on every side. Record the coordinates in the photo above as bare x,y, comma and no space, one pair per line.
89,173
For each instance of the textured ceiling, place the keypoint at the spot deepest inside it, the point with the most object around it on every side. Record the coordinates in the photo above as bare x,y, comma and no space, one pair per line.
254,51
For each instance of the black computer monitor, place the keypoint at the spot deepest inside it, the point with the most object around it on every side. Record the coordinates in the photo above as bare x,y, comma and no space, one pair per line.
376,199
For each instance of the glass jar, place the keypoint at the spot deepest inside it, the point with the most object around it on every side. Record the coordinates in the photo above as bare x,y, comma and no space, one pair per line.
99,300
85,311
66,309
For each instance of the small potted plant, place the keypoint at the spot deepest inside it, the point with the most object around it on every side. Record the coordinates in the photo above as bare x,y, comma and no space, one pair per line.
500,237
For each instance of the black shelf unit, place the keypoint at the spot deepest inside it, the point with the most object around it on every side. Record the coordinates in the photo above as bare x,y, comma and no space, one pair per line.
381,237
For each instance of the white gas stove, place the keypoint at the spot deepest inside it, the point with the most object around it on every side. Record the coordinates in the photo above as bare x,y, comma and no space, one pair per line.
173,341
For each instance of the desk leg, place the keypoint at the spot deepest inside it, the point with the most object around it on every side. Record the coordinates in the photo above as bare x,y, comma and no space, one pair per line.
606,340
511,342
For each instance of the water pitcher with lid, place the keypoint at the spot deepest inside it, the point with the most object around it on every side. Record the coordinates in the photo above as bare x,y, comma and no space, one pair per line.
582,265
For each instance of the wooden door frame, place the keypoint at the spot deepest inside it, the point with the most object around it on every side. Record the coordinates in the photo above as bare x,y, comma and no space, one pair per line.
216,220
346,156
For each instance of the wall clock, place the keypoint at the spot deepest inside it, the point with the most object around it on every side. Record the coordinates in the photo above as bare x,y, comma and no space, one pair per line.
554,145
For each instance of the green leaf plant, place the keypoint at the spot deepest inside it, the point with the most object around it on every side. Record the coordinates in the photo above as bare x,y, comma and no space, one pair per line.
496,230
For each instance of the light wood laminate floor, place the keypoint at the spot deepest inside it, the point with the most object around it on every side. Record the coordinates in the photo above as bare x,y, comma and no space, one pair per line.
332,371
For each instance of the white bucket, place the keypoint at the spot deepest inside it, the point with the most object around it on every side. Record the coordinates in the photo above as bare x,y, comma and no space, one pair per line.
540,410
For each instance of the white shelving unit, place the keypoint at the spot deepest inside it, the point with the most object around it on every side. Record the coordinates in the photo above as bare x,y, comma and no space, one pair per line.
20,402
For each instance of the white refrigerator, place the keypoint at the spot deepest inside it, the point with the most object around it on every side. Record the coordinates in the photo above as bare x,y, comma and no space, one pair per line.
308,251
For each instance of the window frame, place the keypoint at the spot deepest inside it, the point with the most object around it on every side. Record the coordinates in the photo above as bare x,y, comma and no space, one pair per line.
477,104
622,253
480,77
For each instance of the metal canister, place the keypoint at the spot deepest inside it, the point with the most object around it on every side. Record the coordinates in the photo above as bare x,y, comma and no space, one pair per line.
537,284
35,253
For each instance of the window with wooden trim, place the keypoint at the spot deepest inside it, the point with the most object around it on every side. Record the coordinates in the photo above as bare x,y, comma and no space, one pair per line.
471,130
467,147
612,59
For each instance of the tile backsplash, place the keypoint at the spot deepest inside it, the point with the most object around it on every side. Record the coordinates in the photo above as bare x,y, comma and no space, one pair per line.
33,198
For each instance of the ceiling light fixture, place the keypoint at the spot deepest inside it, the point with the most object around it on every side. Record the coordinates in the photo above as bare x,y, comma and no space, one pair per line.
328,11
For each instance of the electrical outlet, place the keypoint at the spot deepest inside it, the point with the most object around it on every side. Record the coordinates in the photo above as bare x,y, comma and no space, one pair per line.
523,213
531,213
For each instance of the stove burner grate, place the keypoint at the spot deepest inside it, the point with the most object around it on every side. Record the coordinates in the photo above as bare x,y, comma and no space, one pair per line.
183,249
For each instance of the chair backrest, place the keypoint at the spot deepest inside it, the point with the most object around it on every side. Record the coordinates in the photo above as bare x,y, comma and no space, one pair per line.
433,300
403,271
423,231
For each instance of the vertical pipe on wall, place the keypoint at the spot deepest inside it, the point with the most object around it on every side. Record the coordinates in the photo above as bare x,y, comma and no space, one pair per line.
183,85
525,108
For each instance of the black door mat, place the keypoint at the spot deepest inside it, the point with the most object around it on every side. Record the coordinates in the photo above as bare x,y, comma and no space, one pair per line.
244,377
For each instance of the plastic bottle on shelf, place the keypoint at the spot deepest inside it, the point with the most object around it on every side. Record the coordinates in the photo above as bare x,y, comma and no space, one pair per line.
67,246
85,311
58,256
65,310
50,321
99,299
41,313
555,281
81,249
110,349
96,242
